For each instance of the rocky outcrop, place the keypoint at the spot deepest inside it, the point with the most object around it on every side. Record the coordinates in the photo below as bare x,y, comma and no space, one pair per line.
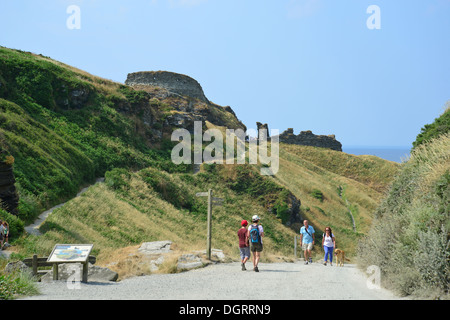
153,253
9,199
184,100
307,138
293,210
173,82
260,127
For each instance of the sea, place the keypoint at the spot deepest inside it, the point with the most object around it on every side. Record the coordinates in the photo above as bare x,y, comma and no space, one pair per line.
396,154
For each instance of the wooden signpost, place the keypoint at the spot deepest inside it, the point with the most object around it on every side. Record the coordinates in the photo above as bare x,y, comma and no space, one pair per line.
212,201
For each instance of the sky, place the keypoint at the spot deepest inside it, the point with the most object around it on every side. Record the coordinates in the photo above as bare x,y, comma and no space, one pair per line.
316,65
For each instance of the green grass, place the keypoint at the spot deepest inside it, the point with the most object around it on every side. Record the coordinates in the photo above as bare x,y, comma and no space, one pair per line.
61,144
131,208
15,284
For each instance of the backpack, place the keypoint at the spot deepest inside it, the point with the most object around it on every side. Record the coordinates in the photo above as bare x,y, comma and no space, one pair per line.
254,234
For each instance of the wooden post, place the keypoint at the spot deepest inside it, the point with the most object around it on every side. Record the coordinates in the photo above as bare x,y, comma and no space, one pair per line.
209,218
55,271
211,202
85,271
35,265
295,247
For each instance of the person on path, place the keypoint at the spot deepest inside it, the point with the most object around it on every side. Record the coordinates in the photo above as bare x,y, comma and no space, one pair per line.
255,233
307,240
244,246
1,234
328,244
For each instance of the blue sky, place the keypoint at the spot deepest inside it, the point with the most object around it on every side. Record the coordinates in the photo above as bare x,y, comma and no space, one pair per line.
302,64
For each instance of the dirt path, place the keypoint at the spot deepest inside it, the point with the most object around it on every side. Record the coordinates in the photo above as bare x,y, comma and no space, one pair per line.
275,281
34,227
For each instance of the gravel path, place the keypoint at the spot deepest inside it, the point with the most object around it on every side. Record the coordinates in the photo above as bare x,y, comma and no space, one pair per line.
275,281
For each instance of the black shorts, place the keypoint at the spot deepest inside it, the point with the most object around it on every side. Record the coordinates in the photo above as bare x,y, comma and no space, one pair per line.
256,247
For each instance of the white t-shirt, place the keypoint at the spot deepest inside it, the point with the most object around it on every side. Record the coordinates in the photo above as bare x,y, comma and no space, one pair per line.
328,241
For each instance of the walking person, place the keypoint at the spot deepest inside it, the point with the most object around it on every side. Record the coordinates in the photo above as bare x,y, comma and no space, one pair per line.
6,233
307,240
328,244
244,246
256,233
1,234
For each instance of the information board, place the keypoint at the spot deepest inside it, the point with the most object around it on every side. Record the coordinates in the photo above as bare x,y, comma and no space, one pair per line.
70,253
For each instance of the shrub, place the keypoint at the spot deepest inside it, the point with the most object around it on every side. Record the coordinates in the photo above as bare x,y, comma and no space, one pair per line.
317,194
117,178
16,284
440,126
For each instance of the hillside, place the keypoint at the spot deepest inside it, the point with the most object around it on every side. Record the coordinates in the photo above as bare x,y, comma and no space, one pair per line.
64,127
335,189
409,239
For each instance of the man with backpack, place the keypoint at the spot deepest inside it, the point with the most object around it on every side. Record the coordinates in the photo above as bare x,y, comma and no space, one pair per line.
255,234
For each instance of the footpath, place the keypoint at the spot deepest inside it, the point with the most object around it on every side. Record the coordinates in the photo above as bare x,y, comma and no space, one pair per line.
275,281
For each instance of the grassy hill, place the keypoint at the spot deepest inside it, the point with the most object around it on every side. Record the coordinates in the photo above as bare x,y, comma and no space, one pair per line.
409,239
335,189
65,127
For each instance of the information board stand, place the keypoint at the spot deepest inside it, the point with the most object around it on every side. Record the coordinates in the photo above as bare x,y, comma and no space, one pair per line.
70,253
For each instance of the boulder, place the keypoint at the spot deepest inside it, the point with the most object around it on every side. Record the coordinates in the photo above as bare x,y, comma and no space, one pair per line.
153,253
156,247
75,270
189,261
17,266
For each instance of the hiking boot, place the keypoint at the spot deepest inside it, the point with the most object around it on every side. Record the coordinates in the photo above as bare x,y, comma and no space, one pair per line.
256,269
243,267
325,263
310,260
306,262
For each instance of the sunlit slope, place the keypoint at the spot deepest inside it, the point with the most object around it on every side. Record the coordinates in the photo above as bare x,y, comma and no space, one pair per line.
310,172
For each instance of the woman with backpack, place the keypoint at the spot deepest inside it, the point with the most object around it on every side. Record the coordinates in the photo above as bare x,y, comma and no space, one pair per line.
255,234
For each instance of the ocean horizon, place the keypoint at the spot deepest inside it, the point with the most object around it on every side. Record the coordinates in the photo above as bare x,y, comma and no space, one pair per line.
396,154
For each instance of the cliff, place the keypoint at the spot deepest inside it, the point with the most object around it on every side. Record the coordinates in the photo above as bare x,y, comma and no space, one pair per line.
185,100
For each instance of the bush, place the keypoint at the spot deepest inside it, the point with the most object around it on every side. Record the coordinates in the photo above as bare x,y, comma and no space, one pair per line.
117,178
317,194
440,126
172,191
16,284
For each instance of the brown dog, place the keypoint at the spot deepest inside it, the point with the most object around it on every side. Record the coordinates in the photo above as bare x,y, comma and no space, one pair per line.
340,257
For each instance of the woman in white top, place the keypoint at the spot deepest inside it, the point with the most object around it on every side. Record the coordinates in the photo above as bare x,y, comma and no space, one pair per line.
328,244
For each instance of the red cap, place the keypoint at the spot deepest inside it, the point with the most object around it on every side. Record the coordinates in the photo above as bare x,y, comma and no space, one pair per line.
244,223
